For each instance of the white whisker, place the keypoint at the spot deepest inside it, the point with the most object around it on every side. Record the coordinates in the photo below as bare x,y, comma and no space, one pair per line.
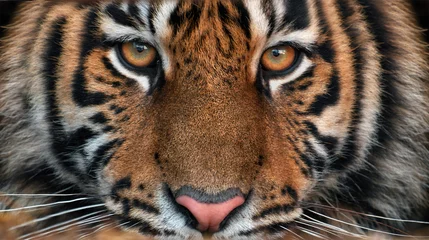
318,228
63,229
369,215
365,228
311,233
60,224
97,230
55,215
43,205
296,235
87,235
335,228
38,195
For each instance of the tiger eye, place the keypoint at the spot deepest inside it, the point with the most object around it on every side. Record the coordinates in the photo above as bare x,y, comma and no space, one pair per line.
139,55
279,58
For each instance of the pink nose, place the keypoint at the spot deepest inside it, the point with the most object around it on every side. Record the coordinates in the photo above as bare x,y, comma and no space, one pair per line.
209,215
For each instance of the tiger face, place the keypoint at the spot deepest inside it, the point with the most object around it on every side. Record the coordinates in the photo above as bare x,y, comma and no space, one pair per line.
187,117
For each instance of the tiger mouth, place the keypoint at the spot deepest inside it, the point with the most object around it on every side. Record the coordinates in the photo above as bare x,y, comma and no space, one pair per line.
228,225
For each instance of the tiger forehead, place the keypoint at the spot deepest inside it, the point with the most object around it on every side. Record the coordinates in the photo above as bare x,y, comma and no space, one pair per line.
204,29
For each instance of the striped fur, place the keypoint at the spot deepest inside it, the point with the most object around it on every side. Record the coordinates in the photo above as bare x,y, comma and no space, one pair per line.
347,127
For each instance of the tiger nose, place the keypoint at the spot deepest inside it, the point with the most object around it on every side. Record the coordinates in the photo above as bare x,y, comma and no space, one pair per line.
210,215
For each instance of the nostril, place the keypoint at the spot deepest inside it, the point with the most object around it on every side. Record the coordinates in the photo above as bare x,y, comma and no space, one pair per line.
210,215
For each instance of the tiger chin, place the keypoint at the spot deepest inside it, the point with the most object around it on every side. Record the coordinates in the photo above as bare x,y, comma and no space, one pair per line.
243,119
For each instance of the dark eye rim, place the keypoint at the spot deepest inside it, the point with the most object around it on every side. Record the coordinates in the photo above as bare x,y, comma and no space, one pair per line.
152,67
299,56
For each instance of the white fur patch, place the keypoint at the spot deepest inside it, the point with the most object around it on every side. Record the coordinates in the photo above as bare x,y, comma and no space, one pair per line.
144,81
305,64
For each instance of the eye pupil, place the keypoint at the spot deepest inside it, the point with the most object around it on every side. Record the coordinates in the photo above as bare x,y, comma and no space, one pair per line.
276,53
140,47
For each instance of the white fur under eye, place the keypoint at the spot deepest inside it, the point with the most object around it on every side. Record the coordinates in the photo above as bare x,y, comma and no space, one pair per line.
276,83
144,81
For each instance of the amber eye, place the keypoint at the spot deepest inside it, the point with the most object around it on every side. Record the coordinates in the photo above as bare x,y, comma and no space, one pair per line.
138,54
279,58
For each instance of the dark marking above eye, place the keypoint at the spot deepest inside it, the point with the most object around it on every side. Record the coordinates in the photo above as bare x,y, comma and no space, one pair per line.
119,16
135,13
296,15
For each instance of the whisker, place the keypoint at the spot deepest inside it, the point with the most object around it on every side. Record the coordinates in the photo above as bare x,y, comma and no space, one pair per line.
365,228
55,215
24,195
60,224
369,215
318,228
44,205
338,229
120,225
97,230
64,229
312,233
287,229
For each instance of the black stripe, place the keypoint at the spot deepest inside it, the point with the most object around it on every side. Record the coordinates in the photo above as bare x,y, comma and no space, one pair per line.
296,15
99,118
284,209
273,228
318,162
362,188
270,12
145,207
151,18
121,184
61,144
81,95
389,98
244,20
290,192
119,16
349,154
143,227
135,13
295,84
102,157
193,19
126,206
109,66
329,142
330,98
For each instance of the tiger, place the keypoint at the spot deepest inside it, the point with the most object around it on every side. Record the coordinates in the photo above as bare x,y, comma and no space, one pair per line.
222,119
